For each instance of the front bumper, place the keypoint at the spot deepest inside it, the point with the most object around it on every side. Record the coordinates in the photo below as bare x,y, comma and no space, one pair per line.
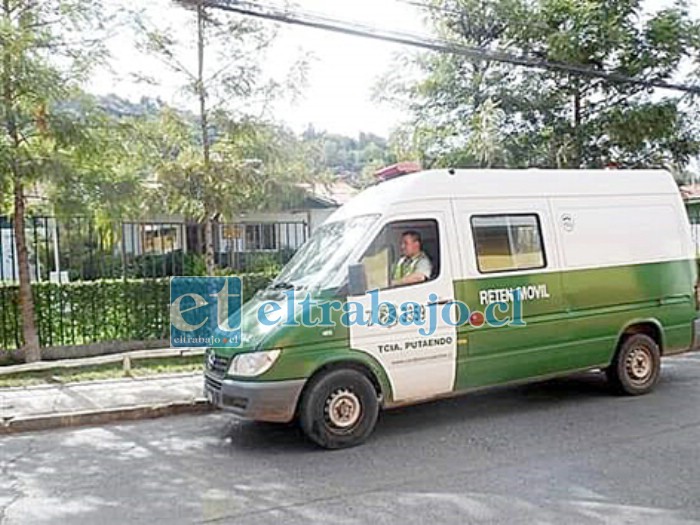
274,401
696,335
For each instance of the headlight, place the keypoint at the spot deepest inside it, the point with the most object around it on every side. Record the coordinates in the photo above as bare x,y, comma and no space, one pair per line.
253,364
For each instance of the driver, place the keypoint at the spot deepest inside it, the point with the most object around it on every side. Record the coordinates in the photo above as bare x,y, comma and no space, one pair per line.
414,266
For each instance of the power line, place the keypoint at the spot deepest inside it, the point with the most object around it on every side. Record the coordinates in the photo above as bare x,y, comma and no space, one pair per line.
316,21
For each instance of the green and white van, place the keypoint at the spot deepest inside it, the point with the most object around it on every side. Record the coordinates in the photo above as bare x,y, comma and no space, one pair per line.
603,262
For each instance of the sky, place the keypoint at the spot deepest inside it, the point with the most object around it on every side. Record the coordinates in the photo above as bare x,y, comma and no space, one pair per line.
343,69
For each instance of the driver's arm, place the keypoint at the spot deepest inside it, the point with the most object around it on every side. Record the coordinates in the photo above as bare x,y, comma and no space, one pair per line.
423,271
414,278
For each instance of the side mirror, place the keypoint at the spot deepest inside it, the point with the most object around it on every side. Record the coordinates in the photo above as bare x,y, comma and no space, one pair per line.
357,280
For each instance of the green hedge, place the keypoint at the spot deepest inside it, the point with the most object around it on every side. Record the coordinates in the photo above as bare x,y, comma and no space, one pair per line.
88,312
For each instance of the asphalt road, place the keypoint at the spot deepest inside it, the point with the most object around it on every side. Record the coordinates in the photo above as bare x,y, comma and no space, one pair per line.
564,451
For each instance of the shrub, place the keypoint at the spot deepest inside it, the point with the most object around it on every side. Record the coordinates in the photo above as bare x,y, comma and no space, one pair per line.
88,312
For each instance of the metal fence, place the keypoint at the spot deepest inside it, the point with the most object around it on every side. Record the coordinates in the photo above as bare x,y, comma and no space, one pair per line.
80,249
96,282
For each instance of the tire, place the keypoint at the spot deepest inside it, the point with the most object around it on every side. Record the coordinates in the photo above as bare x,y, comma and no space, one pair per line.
636,368
339,409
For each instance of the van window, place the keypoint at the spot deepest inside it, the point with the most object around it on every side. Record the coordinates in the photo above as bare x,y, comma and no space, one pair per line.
322,261
388,266
508,242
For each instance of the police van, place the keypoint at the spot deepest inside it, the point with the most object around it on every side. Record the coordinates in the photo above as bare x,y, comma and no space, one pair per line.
557,271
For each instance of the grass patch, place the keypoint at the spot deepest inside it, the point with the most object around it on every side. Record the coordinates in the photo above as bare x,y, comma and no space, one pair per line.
139,368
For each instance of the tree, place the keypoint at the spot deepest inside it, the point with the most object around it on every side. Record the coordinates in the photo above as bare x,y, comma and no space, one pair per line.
485,141
41,65
551,119
228,86
348,157
251,165
101,176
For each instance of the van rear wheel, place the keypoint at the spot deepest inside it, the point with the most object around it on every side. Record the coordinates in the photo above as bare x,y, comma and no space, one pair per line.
339,409
636,367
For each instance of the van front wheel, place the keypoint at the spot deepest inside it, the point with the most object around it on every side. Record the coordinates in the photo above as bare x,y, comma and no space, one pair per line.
636,367
339,409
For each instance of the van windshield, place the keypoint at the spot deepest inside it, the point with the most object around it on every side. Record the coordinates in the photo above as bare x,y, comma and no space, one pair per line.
322,262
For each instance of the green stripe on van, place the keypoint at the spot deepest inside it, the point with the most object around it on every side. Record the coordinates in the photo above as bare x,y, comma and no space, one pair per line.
578,325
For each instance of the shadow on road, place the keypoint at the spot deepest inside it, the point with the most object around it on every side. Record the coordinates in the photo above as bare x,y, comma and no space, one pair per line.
255,435
493,404
490,403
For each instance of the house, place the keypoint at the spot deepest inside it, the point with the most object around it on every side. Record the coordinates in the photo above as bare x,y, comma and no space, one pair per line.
691,197
283,230
237,243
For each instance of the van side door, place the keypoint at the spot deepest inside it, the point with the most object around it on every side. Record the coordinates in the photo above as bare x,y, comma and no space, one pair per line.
509,246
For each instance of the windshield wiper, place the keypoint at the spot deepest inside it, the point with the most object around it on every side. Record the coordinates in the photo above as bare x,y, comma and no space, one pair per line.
277,291
282,285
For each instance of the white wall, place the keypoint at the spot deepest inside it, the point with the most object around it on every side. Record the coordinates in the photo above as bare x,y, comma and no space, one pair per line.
318,217
8,256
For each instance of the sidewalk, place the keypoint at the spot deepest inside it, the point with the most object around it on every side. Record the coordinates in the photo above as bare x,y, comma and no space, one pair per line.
53,406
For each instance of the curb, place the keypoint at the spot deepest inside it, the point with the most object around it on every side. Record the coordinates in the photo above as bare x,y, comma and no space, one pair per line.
136,355
101,417
115,380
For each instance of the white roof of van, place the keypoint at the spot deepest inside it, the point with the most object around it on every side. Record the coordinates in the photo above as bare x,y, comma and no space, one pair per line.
484,183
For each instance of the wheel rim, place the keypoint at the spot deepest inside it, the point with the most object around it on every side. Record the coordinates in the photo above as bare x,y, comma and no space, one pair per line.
639,365
343,409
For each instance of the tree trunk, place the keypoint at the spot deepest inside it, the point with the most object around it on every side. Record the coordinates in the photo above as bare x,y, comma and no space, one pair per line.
578,142
209,246
201,88
31,349
206,145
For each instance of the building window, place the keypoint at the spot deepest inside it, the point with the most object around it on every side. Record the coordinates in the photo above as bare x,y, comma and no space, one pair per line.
261,237
508,242
159,239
